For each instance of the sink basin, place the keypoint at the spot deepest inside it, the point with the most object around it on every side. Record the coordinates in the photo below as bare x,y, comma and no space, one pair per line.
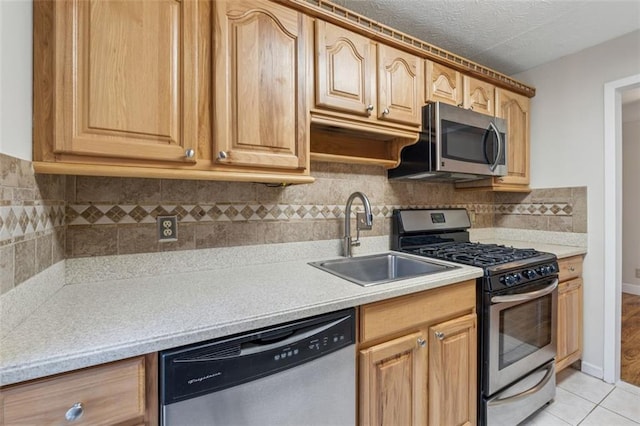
379,268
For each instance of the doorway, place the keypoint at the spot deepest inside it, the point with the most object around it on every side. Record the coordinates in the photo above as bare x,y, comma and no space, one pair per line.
613,92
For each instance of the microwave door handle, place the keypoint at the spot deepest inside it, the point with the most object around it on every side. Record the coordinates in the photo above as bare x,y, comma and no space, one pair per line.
526,296
494,129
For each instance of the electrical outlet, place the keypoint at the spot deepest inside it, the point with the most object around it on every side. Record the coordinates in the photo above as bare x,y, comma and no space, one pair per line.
167,228
637,272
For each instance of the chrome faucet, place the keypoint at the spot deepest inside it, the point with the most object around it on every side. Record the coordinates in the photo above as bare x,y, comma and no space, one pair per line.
364,221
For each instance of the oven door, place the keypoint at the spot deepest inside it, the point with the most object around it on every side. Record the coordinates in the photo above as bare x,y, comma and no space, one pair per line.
521,332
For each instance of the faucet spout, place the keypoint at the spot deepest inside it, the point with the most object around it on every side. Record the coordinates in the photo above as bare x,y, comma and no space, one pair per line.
367,222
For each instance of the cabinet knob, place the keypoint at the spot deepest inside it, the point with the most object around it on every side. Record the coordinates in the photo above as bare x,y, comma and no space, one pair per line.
572,269
439,335
471,107
460,105
421,342
75,412
385,111
222,155
190,153
369,108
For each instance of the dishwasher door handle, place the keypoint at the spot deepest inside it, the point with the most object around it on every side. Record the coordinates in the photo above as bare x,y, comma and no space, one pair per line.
257,346
251,348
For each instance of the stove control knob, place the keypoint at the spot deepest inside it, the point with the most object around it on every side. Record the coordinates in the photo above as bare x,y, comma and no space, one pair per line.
529,273
546,270
509,280
552,268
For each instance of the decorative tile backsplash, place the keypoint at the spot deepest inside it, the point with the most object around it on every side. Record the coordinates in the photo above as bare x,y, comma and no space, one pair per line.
32,221
45,218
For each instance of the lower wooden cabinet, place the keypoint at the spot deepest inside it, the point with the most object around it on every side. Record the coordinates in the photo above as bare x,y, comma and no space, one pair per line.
452,372
123,393
418,359
393,382
570,332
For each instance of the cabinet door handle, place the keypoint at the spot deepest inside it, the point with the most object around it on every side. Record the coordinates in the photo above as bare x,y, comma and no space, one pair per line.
421,342
385,111
439,335
572,269
75,412
369,108
222,155
190,153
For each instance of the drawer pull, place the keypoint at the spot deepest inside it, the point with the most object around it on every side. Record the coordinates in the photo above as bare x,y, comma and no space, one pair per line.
572,269
75,412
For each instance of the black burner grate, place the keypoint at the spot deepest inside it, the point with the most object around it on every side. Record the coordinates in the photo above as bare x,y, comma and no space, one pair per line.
476,254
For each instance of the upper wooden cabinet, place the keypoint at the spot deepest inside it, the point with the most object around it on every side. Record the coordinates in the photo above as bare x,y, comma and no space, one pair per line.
119,79
479,96
260,88
400,83
372,82
447,85
371,92
515,109
345,70
443,84
171,89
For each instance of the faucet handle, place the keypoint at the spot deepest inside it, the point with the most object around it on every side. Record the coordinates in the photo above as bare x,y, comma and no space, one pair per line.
362,223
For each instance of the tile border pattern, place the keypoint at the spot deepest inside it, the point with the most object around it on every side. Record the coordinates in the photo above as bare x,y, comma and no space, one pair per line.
109,214
23,221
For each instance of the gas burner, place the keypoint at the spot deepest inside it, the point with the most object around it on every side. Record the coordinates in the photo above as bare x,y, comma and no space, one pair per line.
475,254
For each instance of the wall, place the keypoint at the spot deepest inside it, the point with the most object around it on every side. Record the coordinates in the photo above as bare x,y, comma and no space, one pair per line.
630,196
16,77
117,216
567,150
32,221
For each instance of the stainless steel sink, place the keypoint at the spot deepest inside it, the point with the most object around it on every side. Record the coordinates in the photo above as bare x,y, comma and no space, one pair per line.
380,268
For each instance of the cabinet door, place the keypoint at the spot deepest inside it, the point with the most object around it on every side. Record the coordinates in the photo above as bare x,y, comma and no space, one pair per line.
452,372
400,86
479,96
260,66
345,70
515,109
443,84
393,379
569,347
126,72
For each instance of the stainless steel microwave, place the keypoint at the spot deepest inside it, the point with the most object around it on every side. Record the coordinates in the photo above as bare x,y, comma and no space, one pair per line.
455,144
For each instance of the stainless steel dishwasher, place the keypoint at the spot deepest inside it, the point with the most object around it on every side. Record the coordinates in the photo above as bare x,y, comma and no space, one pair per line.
302,372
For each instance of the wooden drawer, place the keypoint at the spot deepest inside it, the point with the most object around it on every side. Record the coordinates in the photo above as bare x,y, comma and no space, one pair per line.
109,394
384,318
570,267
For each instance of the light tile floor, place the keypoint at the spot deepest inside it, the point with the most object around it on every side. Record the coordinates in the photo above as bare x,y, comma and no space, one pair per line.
586,401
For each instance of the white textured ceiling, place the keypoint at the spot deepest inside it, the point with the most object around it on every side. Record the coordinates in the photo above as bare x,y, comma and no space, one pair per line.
507,35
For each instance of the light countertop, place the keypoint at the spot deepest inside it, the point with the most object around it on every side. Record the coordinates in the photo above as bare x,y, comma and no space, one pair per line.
115,307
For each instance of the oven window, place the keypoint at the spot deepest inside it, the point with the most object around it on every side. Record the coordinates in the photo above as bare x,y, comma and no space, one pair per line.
524,329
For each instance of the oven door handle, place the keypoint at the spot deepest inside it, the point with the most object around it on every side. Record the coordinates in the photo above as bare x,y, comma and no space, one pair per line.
550,372
526,296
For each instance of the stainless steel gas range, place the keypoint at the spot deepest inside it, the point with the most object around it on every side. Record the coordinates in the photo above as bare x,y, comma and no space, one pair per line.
516,305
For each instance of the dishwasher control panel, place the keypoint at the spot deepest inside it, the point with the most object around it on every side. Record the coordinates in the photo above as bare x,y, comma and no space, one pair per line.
215,365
